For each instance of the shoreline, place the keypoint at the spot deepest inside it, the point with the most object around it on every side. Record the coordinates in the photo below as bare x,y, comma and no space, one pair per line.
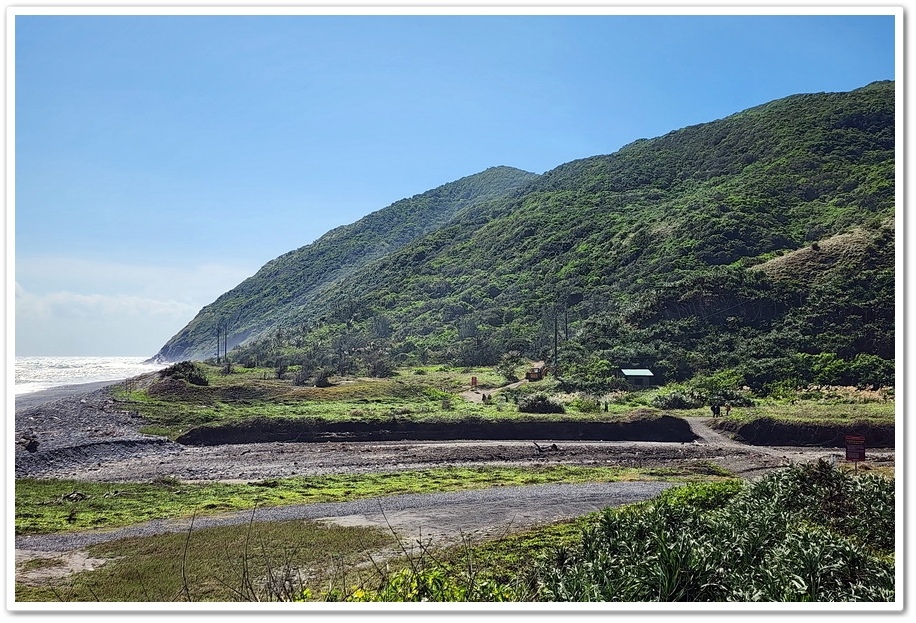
42,396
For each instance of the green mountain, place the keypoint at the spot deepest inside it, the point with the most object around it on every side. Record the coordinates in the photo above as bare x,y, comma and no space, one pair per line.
296,279
666,253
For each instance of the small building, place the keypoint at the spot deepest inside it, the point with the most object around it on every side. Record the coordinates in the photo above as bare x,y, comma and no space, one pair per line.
639,378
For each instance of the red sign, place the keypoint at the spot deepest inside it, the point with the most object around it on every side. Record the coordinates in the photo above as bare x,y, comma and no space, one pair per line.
473,381
855,448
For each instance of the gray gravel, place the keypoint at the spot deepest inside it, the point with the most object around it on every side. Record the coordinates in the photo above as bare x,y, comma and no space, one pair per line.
33,399
79,426
436,516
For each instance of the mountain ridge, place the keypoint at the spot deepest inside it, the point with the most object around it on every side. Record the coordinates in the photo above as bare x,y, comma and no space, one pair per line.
323,262
693,209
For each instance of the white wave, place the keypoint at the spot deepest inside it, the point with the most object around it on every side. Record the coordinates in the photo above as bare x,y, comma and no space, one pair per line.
37,373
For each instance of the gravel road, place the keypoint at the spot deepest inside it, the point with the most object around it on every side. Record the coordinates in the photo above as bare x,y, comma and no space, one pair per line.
435,516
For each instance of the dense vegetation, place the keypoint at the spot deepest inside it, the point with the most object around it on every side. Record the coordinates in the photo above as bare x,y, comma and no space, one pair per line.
810,533
299,277
759,248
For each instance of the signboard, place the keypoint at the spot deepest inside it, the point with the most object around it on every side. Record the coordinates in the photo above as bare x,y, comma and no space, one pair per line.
855,448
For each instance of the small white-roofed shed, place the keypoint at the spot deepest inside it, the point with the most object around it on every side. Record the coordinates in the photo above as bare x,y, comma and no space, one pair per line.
638,377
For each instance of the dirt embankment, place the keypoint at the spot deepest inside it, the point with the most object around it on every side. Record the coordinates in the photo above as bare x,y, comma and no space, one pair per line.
665,429
770,432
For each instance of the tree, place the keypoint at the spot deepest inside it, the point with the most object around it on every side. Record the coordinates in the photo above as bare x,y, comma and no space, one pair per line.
508,365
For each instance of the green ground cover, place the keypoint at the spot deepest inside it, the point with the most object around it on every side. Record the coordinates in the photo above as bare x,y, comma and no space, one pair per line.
258,561
44,506
434,394
809,533
430,394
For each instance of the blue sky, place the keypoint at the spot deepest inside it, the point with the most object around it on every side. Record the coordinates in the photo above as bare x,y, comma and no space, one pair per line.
160,160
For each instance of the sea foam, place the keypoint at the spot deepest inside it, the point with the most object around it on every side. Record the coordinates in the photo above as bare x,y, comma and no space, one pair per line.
37,373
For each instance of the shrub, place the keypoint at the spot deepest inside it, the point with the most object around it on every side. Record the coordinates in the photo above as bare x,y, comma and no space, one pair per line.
540,403
186,371
301,377
703,495
806,533
323,378
430,583
508,366
679,399
586,405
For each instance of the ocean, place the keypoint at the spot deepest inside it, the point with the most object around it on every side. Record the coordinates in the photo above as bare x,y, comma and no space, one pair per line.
37,373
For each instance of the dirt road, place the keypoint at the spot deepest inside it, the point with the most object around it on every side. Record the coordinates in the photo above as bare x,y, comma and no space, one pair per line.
431,517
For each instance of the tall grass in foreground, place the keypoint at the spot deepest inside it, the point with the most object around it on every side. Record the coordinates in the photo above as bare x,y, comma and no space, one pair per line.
810,533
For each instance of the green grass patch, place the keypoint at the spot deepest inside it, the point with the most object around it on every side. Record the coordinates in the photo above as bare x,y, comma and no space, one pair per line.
428,394
173,407
259,561
813,412
803,412
44,506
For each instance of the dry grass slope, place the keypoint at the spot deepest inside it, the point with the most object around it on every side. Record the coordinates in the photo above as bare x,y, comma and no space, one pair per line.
805,265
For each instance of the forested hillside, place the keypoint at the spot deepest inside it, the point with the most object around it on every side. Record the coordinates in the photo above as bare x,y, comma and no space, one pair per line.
759,247
296,279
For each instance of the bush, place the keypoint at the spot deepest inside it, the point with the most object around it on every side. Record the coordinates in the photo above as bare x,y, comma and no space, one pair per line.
431,583
703,495
301,377
508,366
186,371
540,403
323,378
679,399
586,405
806,533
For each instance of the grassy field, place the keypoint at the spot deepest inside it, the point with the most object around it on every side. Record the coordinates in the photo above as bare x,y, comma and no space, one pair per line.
253,562
235,563
44,506
703,542
433,394
417,394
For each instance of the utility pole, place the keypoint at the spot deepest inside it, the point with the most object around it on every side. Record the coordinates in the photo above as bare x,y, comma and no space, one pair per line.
226,341
556,347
